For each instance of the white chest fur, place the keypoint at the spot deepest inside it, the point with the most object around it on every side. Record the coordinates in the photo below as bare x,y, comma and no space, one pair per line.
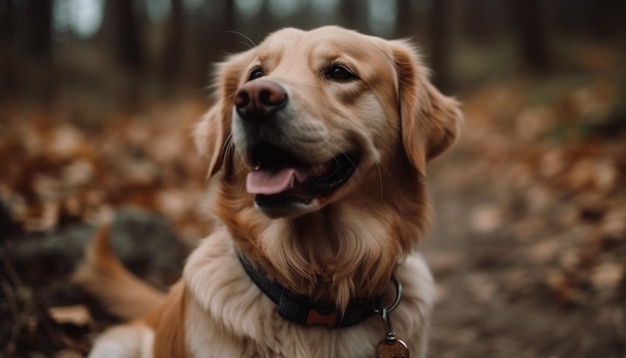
228,316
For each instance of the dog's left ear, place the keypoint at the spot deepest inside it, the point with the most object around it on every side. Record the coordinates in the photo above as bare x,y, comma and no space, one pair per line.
430,121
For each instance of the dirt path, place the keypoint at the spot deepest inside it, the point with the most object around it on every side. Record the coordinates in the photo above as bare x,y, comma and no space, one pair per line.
491,303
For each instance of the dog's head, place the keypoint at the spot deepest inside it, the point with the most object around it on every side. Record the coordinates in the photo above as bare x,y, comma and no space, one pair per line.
310,121
309,113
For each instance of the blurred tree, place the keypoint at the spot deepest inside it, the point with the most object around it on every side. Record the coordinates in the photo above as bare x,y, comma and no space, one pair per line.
8,77
39,42
598,19
607,17
351,14
530,29
126,34
7,23
212,37
174,48
481,19
440,42
406,18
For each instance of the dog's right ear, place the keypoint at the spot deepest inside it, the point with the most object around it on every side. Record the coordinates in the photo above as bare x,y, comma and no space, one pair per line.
213,133
209,136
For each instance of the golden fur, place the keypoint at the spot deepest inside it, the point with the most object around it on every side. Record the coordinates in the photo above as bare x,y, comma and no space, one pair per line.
346,244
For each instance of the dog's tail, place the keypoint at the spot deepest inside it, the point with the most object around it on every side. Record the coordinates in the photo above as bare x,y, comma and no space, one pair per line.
102,275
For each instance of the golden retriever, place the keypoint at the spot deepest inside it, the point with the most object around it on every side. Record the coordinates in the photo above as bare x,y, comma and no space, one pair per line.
317,149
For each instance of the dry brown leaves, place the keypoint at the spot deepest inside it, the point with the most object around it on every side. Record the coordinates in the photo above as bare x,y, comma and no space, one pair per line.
57,171
560,180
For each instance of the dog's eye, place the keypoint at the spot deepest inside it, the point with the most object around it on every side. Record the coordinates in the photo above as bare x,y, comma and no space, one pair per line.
339,73
256,73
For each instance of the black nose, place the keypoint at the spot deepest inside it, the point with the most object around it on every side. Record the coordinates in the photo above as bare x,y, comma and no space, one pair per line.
259,99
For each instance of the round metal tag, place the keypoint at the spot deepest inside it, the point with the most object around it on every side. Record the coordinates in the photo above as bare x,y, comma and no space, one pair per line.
395,348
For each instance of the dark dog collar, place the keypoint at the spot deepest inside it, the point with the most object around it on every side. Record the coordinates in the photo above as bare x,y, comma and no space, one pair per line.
301,309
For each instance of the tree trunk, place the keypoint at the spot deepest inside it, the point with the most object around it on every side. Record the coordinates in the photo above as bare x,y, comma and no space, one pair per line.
607,18
7,24
480,20
406,18
127,36
8,76
440,45
40,30
174,49
213,38
529,26
349,11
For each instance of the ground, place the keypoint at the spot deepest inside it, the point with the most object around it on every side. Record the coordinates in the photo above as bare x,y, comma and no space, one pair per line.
527,241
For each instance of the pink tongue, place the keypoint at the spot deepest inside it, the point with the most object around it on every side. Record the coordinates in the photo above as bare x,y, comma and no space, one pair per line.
269,182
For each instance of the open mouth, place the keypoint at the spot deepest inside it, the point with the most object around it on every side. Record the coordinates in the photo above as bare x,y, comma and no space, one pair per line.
281,181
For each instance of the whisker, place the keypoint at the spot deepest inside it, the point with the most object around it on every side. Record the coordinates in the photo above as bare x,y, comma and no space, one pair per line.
226,146
231,147
230,96
386,169
243,167
228,143
349,159
249,42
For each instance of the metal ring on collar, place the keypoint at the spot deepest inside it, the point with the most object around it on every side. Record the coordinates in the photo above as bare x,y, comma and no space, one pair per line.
395,304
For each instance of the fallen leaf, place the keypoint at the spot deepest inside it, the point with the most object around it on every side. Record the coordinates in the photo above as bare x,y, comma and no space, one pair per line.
544,251
562,287
614,224
443,262
78,315
607,276
65,142
532,123
486,219
483,288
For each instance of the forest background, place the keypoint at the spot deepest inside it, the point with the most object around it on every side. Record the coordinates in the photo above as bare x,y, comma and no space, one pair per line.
98,99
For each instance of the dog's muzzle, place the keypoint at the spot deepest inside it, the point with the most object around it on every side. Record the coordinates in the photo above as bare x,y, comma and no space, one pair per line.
285,178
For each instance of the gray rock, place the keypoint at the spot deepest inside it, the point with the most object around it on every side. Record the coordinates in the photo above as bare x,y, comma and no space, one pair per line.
145,242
